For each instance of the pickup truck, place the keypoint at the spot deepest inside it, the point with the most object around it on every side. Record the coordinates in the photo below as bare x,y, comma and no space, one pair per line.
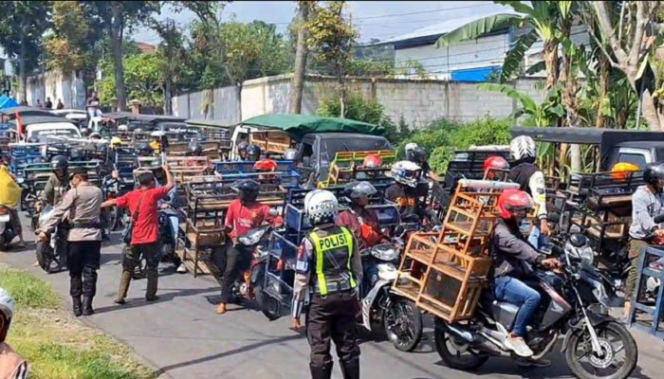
612,146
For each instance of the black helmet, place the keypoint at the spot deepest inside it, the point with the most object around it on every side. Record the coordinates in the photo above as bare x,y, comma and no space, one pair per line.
194,149
242,146
357,190
144,149
253,152
416,155
248,190
654,173
60,163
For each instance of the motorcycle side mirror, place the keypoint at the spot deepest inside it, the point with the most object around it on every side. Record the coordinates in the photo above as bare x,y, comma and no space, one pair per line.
167,198
399,230
20,180
659,219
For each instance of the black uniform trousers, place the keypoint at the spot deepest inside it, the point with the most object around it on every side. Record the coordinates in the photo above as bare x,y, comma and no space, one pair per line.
83,262
333,317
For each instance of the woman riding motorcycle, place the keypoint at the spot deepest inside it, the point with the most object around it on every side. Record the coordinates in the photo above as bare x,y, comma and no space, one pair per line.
514,259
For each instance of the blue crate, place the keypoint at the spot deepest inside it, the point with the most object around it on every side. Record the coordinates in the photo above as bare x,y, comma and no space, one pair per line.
648,255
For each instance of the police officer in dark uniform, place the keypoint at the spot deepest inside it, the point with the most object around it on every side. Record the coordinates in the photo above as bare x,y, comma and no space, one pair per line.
56,185
328,272
81,205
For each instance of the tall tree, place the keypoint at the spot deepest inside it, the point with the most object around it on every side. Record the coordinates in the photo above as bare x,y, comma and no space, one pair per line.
116,18
331,38
65,48
22,24
170,53
627,32
300,56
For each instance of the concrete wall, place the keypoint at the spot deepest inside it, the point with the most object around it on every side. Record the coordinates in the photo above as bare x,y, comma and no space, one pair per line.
219,104
481,52
70,89
417,101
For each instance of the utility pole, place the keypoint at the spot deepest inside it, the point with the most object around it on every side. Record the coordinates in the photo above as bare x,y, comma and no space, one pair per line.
300,57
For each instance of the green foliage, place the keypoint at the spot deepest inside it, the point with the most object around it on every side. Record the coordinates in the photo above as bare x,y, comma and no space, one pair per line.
66,47
27,290
544,114
144,80
331,37
442,137
515,56
366,110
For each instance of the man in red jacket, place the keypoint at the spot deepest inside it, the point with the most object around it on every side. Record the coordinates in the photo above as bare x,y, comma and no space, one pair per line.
143,206
243,215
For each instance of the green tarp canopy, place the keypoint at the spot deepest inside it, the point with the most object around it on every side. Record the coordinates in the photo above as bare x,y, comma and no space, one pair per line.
300,125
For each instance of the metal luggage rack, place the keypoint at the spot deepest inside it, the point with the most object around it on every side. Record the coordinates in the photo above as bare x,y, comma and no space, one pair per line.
211,149
348,166
285,173
184,168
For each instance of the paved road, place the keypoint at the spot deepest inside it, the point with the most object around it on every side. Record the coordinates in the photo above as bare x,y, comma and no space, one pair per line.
183,337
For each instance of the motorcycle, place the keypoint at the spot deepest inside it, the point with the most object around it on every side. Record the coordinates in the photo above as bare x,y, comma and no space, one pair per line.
115,217
7,232
592,343
399,317
52,254
242,288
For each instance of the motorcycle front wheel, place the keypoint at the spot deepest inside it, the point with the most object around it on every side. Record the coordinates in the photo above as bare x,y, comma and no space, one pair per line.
617,360
457,354
402,322
47,258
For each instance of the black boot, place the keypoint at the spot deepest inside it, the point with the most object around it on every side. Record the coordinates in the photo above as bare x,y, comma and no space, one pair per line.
77,306
87,306
351,369
321,372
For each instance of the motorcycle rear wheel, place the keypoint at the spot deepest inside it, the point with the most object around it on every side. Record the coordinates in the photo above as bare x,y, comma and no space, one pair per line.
580,342
402,322
456,354
47,259
270,306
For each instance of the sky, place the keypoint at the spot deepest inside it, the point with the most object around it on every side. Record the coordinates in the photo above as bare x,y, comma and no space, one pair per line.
373,19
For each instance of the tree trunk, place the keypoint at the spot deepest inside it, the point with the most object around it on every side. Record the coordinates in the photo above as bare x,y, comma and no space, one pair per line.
604,72
551,62
301,53
167,98
649,111
118,54
23,75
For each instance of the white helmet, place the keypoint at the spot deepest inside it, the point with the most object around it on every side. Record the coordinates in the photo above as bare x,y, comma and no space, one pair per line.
406,172
290,154
6,304
123,128
411,146
321,205
523,147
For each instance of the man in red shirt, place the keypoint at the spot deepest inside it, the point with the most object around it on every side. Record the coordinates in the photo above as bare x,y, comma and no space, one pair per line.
142,204
243,215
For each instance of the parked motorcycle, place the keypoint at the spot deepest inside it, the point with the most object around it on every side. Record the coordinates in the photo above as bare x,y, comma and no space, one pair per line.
595,345
399,317
52,254
7,232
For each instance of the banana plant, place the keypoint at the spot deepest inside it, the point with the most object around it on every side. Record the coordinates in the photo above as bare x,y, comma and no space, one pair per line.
543,18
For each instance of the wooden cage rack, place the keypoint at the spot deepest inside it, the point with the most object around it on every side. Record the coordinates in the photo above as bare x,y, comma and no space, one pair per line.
445,272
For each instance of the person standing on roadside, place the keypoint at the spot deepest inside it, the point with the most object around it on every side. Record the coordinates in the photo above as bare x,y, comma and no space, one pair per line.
143,206
81,206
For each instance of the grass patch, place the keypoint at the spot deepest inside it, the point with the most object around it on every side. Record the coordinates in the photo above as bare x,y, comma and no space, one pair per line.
56,345
27,290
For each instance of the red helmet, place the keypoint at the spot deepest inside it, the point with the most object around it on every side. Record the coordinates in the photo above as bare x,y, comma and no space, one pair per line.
494,163
373,161
514,200
265,165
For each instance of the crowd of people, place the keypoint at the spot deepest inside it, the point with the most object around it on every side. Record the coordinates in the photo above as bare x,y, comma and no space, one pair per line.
329,267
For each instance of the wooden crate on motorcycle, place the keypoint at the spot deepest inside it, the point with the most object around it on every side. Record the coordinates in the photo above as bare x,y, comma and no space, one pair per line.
184,168
349,165
445,272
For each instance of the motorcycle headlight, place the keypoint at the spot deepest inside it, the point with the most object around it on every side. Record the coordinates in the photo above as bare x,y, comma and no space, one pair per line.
385,253
253,237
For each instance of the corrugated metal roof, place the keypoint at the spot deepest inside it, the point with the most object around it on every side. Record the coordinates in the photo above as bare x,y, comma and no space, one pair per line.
441,28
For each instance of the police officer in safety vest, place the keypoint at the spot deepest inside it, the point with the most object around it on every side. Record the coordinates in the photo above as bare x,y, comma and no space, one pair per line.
328,272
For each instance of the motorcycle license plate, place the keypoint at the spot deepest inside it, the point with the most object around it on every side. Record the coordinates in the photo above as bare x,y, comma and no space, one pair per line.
4,218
